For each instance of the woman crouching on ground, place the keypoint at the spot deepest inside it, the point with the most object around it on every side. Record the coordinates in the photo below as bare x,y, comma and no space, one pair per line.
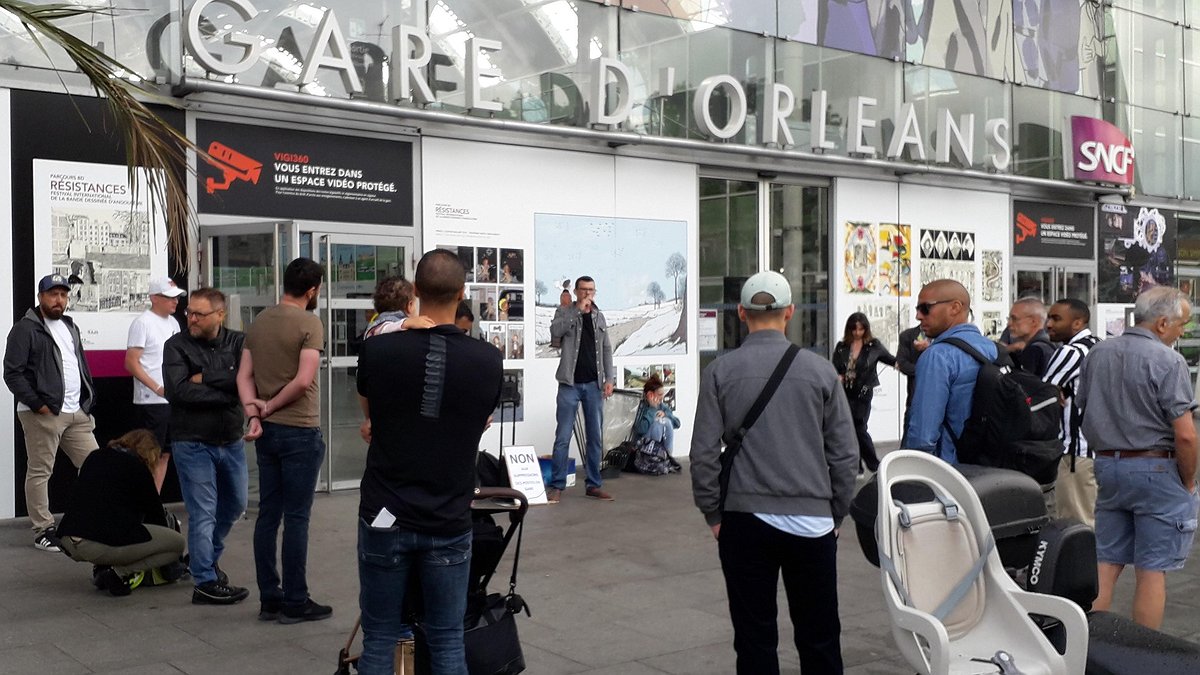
115,519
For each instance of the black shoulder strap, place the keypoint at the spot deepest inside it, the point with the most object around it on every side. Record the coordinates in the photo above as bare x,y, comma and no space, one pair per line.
734,445
966,347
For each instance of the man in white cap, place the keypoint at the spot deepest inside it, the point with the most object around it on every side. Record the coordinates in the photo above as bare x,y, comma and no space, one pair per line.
787,488
46,371
144,358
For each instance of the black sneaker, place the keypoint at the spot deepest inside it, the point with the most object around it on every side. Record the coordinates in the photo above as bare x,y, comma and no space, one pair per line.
47,540
217,593
222,578
269,610
309,611
118,585
98,575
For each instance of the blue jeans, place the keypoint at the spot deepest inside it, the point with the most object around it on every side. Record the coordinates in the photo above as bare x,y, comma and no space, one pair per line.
663,431
569,397
443,564
289,459
213,481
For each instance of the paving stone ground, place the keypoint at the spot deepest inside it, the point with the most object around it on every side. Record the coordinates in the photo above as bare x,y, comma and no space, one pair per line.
627,587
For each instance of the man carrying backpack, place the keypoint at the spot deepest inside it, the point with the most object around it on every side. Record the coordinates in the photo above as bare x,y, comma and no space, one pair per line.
1076,485
1030,346
945,373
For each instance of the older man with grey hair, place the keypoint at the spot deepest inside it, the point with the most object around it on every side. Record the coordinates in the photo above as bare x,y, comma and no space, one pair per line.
1137,404
1030,345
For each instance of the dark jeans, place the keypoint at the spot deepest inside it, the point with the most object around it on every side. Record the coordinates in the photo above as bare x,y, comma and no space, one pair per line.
385,559
289,459
570,397
752,555
860,412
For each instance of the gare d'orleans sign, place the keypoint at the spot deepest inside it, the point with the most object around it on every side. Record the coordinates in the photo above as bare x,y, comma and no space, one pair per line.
955,138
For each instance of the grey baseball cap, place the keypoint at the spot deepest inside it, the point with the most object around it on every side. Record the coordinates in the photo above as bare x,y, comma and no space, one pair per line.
772,283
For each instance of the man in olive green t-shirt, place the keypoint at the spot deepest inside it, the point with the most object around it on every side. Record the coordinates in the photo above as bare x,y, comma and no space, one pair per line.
278,386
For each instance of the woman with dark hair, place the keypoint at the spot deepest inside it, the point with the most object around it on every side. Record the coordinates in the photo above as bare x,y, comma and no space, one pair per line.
856,358
115,520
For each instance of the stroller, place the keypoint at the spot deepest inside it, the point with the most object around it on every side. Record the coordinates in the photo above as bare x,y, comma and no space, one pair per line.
492,644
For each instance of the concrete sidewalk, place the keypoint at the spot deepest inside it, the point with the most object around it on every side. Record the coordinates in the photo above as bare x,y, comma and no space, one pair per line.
628,587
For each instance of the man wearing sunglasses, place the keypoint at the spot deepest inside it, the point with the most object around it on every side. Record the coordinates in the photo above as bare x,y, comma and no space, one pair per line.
945,374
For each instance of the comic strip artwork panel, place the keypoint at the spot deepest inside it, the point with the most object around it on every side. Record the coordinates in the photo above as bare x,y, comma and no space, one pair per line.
895,259
860,255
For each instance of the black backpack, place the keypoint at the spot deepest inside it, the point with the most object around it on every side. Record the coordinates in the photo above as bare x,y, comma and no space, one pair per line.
1015,419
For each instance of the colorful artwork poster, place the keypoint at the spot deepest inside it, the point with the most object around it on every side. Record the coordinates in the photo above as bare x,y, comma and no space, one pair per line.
512,266
885,321
859,255
495,334
636,376
100,232
640,267
895,260
962,272
515,348
511,304
993,276
947,245
993,324
485,265
1137,250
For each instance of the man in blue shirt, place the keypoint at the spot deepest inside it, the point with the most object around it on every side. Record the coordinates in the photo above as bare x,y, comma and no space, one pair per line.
945,374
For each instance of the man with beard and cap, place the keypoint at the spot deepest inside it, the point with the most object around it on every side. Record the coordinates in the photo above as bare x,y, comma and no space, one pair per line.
278,385
200,376
46,371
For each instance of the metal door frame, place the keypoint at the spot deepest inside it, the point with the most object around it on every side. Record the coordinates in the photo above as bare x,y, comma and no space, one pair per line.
327,304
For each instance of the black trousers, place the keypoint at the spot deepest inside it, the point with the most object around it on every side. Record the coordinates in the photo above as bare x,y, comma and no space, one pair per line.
860,412
752,556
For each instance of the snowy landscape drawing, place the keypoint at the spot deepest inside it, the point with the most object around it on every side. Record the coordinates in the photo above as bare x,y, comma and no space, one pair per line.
640,268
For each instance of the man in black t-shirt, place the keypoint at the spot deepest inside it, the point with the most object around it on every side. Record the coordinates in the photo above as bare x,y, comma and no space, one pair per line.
585,378
429,395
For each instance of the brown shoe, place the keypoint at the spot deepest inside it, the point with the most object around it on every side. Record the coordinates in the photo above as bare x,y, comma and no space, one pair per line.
553,495
597,493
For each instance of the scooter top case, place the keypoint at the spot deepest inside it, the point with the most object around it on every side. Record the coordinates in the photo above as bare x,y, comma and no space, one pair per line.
1118,646
1012,501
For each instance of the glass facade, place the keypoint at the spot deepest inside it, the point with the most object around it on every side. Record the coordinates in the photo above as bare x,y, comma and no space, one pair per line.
1029,62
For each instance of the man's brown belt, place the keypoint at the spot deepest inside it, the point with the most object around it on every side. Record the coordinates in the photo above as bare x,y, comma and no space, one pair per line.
1130,454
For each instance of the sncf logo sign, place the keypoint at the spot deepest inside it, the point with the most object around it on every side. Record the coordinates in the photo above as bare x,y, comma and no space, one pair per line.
1099,152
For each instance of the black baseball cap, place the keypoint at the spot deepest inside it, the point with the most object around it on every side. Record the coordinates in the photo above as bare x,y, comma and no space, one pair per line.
53,281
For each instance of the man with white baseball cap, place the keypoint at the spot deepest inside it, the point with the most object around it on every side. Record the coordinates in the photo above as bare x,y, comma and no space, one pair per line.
788,479
144,358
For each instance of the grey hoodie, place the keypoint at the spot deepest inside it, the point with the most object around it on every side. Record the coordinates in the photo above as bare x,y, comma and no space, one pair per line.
799,458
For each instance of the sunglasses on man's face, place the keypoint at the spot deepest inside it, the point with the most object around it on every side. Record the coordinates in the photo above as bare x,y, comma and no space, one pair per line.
926,307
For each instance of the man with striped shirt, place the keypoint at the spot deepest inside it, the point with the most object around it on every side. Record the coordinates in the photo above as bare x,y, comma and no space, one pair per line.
1067,324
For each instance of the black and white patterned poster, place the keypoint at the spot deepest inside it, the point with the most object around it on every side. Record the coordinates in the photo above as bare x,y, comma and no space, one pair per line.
947,245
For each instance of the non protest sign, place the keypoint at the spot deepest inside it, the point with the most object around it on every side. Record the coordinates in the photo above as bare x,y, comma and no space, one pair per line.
1043,230
281,173
524,472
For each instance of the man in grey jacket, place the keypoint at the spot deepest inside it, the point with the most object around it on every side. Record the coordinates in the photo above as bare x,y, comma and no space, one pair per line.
585,377
46,371
789,488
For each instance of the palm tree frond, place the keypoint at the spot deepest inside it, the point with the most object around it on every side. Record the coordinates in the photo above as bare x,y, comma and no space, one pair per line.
150,142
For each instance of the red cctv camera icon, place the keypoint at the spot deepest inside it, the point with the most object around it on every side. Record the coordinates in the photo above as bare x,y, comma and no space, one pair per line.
233,164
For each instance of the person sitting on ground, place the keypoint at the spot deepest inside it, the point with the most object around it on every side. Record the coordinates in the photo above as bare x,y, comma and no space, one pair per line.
395,307
656,419
115,519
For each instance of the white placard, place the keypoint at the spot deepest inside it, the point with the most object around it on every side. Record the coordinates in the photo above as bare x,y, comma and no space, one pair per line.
524,472
706,330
